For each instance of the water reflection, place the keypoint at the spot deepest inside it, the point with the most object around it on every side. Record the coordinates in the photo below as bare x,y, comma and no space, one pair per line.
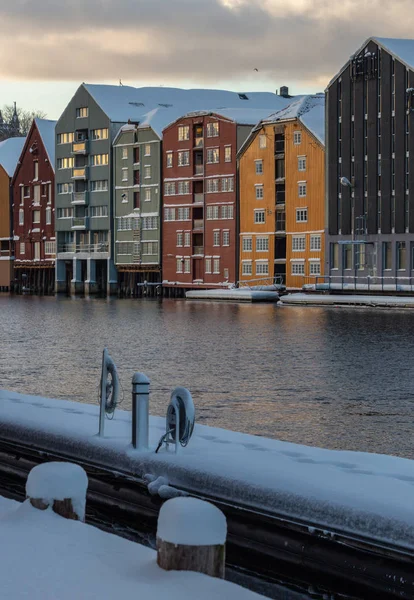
339,378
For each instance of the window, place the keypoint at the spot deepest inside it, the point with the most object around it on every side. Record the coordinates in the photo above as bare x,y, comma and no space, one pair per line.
213,155
183,133
298,268
187,265
98,211
147,149
169,214
81,112
22,248
147,172
226,238
227,184
124,153
35,170
280,168
216,238
348,257
387,256
124,173
259,216
216,266
65,213
150,248
48,216
183,158
100,159
301,215
262,141
183,213
183,187
315,242
280,220
136,155
262,268
50,247
259,192
212,212
262,244
147,195
36,216
315,267
179,265
247,244
246,268
401,256
169,189
136,199
66,163
302,189
26,191
259,167
149,222
298,243
21,217
124,223
297,138
64,188
334,256
124,248
227,154
99,134
213,129
65,138
37,250
212,186
100,185
208,265
169,160
179,238
360,256
301,163
187,239
36,194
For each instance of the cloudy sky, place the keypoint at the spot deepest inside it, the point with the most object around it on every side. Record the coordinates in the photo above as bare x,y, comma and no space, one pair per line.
48,47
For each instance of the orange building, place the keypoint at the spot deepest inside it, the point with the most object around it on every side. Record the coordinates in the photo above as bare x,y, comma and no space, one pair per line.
10,150
282,196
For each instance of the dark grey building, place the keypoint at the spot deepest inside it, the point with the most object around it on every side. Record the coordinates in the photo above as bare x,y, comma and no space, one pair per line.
370,169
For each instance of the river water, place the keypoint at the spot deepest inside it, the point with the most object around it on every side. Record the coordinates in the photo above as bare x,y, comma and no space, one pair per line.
339,378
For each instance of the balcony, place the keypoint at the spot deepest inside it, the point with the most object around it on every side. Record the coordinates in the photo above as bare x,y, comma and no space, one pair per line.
198,198
80,173
80,223
198,142
198,250
84,248
80,147
198,169
198,224
80,198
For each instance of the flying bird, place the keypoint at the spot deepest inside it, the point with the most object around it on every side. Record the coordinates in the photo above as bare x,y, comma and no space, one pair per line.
256,69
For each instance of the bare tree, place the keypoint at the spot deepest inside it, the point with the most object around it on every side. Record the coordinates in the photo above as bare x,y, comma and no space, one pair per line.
25,117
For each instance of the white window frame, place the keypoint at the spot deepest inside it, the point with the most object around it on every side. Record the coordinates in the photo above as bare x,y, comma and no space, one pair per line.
295,265
262,267
315,242
247,267
22,248
216,237
183,155
302,189
302,215
147,149
247,244
207,264
213,129
259,192
262,244
298,243
124,153
147,194
226,237
259,166
169,159
48,213
256,219
227,154
262,141
301,163
183,133
297,137
180,236
216,266
312,265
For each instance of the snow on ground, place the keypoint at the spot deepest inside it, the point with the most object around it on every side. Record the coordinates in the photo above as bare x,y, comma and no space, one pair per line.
355,492
46,557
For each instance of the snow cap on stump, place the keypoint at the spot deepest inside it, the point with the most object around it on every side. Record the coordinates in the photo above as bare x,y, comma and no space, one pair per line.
58,483
191,536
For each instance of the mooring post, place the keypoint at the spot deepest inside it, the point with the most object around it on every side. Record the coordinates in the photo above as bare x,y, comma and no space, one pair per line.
140,411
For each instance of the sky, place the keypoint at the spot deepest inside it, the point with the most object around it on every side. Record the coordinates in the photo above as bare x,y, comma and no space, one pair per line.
47,48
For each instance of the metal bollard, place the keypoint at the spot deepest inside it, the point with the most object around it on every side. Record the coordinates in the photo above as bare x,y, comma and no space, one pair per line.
140,411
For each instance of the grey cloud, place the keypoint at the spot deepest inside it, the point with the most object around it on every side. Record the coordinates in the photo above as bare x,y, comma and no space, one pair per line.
197,40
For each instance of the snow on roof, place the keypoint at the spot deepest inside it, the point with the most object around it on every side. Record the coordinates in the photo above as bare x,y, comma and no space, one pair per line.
10,151
310,110
157,107
46,130
401,48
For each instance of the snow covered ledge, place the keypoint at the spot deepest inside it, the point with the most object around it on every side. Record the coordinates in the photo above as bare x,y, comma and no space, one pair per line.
60,485
191,536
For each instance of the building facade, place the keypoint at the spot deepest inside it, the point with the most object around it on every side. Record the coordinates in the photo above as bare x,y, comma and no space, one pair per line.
10,151
137,228
200,231
33,211
370,177
281,173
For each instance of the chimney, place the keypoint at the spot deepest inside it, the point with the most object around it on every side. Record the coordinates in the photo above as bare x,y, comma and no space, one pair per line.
284,91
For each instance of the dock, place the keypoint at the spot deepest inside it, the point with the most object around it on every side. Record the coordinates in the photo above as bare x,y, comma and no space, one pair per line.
234,295
301,299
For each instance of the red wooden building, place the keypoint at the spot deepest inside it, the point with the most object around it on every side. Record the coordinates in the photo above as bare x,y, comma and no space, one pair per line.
199,197
33,210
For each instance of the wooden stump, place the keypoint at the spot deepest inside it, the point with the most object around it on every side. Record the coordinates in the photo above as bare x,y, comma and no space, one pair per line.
64,508
203,559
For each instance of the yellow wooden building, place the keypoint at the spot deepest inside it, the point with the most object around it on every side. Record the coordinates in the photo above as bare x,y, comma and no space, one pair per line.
282,196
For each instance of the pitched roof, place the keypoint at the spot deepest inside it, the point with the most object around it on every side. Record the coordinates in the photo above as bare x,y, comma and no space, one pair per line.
310,110
159,106
10,151
46,129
